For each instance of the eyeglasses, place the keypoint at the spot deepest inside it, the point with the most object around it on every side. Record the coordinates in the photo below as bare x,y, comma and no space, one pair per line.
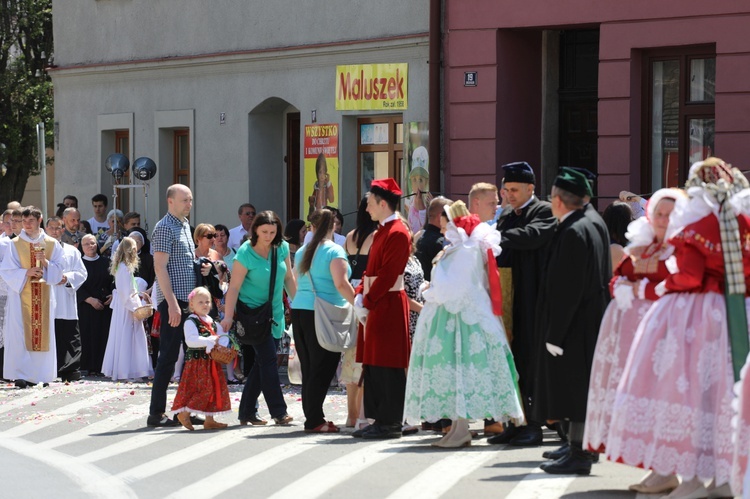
550,197
210,236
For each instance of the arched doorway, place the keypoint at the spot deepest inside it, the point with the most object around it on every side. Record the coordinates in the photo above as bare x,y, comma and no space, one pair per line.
274,157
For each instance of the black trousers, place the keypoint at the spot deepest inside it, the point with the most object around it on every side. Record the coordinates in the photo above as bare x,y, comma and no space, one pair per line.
170,341
68,346
385,390
318,367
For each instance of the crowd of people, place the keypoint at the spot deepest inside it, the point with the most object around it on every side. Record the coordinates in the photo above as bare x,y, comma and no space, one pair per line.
624,333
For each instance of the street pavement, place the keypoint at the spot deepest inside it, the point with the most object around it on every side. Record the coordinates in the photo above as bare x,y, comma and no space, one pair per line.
89,439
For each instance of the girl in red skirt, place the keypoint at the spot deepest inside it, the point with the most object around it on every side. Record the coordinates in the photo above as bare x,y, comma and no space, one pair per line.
203,388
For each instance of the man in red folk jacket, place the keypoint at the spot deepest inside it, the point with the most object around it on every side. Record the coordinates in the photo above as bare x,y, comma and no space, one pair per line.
383,344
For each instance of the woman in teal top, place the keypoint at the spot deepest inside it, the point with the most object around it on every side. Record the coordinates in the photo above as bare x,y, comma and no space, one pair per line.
251,278
326,264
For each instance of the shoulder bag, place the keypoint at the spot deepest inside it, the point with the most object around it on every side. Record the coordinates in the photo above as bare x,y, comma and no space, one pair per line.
254,324
335,327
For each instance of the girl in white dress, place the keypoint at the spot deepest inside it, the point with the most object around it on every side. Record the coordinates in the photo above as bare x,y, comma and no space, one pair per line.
126,356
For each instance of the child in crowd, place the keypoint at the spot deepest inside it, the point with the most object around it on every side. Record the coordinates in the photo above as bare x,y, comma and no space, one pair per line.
203,388
126,355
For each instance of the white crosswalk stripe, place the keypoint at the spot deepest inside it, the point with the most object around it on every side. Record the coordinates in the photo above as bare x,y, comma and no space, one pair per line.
57,415
178,458
9,404
444,474
241,471
319,481
148,437
117,456
539,485
132,413
87,477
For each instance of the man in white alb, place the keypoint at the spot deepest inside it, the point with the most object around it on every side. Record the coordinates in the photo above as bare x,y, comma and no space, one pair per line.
30,351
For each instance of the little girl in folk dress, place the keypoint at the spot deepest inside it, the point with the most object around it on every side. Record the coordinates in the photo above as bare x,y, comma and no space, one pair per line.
203,387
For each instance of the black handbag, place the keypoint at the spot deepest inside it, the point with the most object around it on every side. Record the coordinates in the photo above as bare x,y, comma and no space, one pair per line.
254,324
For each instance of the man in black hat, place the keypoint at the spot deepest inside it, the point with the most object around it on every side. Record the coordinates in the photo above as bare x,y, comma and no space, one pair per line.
572,300
526,230
592,214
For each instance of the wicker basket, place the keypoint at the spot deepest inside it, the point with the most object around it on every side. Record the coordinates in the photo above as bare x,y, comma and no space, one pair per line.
222,354
144,312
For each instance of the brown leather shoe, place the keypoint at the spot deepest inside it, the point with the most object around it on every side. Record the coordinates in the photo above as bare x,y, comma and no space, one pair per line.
214,425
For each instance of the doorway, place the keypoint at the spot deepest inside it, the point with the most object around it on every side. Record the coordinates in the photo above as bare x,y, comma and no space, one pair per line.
292,160
578,99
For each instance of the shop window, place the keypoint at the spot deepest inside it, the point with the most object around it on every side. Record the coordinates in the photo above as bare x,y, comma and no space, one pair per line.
680,114
380,147
181,157
122,146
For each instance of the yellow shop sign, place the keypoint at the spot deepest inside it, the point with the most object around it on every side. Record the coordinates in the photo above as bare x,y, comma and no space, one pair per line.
372,87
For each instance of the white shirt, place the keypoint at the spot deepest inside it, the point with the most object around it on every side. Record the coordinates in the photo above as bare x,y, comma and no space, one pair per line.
98,227
236,235
389,219
337,238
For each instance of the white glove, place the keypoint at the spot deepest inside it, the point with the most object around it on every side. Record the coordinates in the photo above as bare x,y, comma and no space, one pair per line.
361,314
623,296
360,310
554,350
661,288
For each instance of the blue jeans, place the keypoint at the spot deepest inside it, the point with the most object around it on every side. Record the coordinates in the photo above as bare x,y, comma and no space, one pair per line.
263,377
170,342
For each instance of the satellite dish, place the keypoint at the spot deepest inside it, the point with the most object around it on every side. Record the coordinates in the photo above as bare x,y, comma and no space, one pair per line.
144,168
117,164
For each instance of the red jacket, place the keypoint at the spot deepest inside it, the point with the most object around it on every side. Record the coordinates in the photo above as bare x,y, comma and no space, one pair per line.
700,259
384,342
627,268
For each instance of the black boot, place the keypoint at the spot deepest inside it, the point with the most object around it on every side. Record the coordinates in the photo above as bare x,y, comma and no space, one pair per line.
576,461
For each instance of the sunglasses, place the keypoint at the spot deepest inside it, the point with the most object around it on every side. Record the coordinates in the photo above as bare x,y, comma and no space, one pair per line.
210,236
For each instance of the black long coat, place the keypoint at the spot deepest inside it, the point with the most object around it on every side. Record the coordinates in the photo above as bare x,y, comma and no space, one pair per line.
572,300
601,228
525,238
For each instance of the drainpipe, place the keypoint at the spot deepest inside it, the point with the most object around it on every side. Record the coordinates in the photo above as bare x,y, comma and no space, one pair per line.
434,105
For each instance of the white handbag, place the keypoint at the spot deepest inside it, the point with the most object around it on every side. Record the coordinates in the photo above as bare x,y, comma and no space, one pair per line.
335,327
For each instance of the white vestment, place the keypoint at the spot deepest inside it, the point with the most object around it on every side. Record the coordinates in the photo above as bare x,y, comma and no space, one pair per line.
66,304
36,367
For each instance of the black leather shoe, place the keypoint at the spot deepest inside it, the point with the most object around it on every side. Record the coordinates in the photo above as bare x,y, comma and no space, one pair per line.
594,456
505,437
21,383
71,376
382,432
573,463
360,432
557,453
529,436
161,420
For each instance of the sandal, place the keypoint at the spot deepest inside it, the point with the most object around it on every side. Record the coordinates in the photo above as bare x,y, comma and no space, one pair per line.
327,427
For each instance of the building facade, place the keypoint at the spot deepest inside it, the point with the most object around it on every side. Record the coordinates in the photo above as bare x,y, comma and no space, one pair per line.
223,96
635,91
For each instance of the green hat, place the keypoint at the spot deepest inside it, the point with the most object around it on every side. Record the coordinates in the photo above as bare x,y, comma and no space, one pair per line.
573,182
